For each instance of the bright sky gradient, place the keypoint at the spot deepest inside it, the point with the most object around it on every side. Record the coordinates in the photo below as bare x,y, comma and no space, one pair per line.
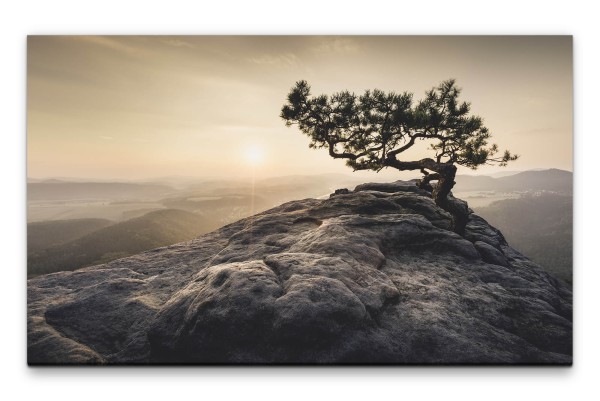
137,107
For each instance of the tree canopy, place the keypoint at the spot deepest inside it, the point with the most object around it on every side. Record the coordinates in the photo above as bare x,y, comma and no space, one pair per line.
372,130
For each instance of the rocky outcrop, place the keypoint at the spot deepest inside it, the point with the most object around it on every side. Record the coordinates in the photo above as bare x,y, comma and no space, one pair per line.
373,275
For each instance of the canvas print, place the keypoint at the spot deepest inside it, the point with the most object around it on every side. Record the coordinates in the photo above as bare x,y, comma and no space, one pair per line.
299,200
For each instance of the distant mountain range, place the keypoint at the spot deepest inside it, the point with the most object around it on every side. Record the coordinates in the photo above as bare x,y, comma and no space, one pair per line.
199,208
538,221
45,234
541,227
49,189
91,241
60,190
548,180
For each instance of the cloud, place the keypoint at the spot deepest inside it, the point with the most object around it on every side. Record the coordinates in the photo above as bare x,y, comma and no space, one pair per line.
337,45
288,59
178,43
112,43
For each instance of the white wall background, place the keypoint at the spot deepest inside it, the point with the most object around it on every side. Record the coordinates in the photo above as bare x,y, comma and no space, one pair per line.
18,19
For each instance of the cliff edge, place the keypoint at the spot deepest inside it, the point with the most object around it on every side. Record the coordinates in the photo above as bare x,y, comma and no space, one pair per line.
374,275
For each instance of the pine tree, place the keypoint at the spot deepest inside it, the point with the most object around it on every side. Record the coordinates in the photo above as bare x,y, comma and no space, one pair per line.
371,132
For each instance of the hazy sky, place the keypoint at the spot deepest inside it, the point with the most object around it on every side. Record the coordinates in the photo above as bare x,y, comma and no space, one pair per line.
139,107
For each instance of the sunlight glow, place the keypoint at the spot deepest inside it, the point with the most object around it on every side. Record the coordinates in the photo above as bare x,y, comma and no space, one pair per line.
254,155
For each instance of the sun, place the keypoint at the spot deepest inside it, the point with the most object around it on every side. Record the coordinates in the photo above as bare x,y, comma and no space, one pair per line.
254,155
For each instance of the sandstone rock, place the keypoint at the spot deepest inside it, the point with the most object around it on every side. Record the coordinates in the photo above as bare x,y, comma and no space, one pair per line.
370,276
398,186
490,254
341,191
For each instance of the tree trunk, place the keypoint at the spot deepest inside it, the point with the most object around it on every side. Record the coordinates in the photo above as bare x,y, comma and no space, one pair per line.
440,195
444,174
